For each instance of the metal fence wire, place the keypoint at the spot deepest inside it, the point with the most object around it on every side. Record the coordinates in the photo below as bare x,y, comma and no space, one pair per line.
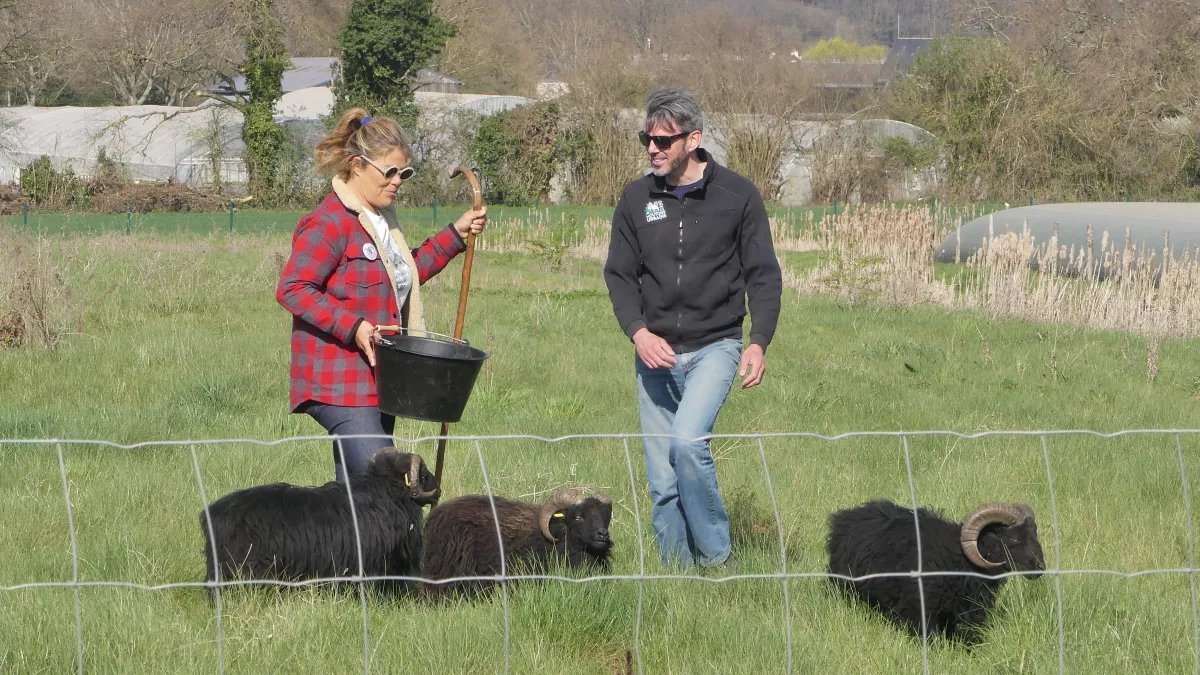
786,654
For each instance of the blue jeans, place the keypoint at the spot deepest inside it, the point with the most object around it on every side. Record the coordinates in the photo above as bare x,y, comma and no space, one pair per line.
690,522
347,420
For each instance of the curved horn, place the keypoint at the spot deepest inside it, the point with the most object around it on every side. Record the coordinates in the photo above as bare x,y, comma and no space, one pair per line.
558,501
991,513
414,481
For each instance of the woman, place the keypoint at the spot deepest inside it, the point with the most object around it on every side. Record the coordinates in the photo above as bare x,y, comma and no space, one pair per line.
350,271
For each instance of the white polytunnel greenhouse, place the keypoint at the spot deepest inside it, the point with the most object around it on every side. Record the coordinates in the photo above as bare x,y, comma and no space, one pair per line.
1147,225
152,143
161,143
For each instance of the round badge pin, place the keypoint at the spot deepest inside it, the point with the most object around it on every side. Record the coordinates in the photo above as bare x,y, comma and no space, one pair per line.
370,252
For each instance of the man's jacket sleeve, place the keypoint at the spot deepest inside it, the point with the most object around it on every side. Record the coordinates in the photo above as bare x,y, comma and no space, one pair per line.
621,272
764,280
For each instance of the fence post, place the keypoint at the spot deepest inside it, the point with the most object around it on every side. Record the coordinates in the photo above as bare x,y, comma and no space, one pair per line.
230,216
435,211
25,218
128,216
1128,196
933,209
835,208
1031,200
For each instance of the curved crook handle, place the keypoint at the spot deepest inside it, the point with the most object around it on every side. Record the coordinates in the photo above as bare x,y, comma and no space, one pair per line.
462,170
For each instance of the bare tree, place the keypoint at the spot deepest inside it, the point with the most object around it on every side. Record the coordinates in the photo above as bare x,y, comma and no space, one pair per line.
489,51
142,46
36,51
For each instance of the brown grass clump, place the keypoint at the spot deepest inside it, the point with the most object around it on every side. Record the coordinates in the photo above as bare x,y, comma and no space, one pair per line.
40,303
880,253
148,198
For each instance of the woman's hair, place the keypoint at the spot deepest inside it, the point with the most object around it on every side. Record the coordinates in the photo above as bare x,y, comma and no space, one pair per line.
352,138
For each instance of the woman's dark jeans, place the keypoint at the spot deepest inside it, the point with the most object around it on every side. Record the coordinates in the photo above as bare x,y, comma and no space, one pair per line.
348,420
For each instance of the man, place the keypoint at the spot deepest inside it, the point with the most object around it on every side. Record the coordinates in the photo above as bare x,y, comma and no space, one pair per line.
690,241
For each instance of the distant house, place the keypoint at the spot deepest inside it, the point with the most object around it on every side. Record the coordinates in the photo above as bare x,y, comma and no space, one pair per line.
900,57
307,72
840,80
431,81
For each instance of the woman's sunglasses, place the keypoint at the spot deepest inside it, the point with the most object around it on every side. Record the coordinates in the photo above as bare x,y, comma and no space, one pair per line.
660,142
390,172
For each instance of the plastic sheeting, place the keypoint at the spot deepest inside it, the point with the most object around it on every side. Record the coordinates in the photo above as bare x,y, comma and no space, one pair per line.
157,143
153,143
1147,223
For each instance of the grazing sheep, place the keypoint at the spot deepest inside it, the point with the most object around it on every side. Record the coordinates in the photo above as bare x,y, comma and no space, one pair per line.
291,533
878,537
460,537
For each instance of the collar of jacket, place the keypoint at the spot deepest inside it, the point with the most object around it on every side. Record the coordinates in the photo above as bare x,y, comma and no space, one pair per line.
412,314
660,182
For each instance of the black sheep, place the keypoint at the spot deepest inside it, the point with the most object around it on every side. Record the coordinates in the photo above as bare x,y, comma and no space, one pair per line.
291,533
878,537
460,538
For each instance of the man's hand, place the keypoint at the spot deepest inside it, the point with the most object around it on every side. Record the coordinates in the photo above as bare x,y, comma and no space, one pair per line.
653,350
753,366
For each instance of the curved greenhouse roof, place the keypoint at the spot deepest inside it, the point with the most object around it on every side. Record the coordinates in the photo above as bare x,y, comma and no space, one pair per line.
1147,224
153,143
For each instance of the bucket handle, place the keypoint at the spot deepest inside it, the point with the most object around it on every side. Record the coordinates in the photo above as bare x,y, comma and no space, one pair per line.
377,336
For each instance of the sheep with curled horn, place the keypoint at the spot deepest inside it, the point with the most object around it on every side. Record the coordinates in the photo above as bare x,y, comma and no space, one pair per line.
879,538
292,533
461,541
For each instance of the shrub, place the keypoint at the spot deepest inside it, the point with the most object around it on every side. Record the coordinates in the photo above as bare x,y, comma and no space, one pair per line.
43,185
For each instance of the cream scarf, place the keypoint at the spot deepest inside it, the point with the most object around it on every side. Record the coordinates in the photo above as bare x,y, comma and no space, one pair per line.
412,314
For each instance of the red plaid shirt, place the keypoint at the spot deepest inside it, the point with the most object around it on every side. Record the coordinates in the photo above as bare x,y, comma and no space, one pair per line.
330,286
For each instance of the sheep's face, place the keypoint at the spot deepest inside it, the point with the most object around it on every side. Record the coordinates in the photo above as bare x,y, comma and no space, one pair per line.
587,523
1018,543
429,486
397,465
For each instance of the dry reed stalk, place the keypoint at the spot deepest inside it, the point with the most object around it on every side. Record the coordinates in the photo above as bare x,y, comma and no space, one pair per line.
886,254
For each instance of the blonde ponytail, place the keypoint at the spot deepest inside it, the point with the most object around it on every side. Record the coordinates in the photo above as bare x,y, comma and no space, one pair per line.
358,135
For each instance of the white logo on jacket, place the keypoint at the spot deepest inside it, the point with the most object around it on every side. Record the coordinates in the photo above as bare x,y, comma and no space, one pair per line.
655,211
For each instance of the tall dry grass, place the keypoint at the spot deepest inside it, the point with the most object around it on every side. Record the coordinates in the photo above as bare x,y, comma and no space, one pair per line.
886,254
45,289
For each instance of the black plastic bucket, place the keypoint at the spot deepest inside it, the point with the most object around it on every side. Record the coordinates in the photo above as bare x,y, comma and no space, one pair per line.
425,378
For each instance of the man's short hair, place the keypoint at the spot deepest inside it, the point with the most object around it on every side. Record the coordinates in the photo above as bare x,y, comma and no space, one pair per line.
674,105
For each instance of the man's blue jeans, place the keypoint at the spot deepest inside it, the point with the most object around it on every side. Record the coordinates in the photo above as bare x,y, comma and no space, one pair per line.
689,517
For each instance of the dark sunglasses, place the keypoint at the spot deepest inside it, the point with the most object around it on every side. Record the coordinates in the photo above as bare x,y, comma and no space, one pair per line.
660,142
390,172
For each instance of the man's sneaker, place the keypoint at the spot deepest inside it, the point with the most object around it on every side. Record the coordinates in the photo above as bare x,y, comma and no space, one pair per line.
726,569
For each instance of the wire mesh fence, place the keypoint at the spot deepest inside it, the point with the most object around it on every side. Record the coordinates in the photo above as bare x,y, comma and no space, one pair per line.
754,443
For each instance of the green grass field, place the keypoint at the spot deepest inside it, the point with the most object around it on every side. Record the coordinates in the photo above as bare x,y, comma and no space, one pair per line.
267,222
191,345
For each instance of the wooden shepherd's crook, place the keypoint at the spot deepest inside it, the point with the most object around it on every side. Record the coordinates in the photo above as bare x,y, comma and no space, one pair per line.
462,301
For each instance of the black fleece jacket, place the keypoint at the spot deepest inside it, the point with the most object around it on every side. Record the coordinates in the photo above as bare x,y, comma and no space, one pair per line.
683,268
